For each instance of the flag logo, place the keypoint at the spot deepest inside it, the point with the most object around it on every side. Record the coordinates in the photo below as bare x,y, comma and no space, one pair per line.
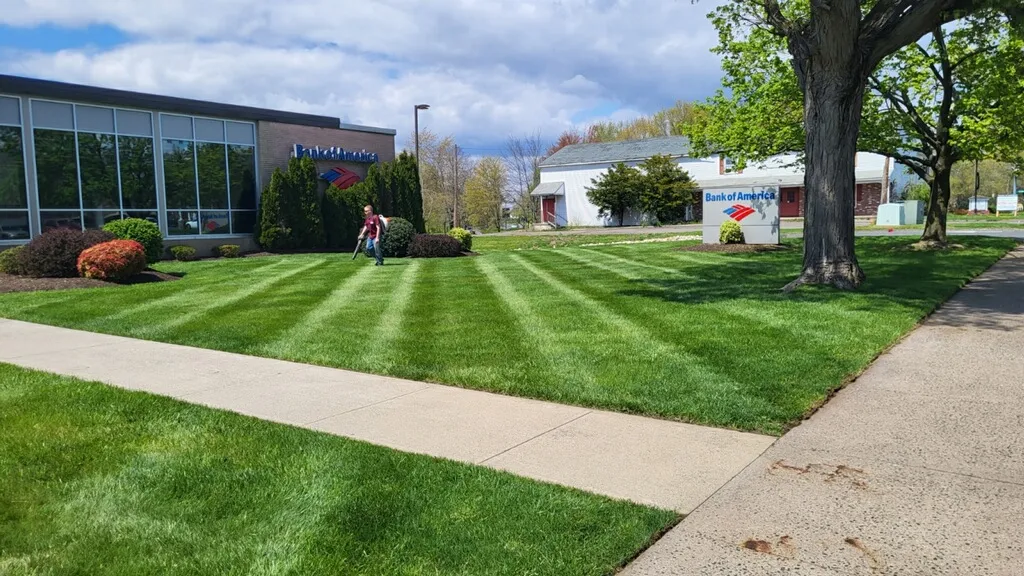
340,178
738,212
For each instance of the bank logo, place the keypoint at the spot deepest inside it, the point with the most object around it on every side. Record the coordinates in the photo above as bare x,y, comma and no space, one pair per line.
738,212
340,178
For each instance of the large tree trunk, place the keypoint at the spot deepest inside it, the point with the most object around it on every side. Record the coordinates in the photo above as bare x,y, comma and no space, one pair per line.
938,205
832,100
832,70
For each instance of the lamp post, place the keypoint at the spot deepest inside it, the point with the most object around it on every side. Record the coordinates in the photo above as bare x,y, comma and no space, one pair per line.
416,119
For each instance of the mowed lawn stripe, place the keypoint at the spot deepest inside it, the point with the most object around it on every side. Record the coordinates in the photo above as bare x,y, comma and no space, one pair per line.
178,298
579,258
317,318
377,353
648,347
197,310
681,363
633,262
545,339
458,332
247,325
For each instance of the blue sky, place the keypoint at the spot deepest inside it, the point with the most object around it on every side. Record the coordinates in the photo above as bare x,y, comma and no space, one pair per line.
489,69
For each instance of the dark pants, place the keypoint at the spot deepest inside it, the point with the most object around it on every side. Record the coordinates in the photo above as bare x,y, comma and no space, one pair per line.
375,251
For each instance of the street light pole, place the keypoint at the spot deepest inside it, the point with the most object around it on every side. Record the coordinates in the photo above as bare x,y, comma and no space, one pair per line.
416,120
977,185
455,206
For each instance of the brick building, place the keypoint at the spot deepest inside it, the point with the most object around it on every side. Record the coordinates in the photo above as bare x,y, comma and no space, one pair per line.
80,156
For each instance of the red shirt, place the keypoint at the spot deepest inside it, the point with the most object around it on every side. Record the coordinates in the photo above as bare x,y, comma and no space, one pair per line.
371,224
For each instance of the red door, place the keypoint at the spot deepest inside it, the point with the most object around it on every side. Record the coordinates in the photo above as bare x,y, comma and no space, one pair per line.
549,210
790,205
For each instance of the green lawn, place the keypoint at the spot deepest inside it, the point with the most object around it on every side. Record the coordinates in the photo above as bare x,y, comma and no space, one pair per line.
490,243
101,481
700,337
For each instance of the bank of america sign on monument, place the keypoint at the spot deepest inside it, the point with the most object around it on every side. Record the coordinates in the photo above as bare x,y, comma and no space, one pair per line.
756,210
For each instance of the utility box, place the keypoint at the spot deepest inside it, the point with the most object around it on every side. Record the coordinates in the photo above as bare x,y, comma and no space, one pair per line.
890,215
913,212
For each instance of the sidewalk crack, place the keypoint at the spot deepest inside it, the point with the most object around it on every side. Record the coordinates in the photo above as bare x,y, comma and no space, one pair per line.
528,440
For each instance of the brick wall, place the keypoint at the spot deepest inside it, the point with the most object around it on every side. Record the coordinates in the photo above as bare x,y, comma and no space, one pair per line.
276,142
868,198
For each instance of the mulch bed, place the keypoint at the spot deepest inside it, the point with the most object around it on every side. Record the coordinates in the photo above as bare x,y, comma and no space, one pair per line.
10,283
734,248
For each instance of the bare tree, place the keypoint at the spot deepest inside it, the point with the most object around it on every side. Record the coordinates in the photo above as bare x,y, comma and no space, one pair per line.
523,156
444,170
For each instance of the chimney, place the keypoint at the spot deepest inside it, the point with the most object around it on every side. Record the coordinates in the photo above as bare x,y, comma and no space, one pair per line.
668,128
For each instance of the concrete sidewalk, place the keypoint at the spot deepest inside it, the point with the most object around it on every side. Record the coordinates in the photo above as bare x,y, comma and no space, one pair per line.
666,464
915,468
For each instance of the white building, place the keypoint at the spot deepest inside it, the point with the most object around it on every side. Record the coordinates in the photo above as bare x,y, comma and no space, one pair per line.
566,175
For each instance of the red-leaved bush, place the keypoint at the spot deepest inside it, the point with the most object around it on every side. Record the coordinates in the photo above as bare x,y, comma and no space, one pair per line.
114,260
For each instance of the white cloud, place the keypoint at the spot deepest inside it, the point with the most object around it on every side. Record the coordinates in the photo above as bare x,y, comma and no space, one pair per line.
488,68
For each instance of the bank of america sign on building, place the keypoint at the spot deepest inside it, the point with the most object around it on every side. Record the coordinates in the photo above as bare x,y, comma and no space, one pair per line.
756,209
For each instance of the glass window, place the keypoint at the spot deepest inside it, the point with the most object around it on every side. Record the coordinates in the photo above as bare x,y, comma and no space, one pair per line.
134,123
14,225
138,178
182,222
241,133
52,115
96,219
10,111
216,222
242,175
179,174
243,222
143,214
213,179
93,119
97,161
12,169
56,169
60,219
212,130
175,127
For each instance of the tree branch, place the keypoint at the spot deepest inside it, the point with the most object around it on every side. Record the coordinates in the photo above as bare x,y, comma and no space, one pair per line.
901,102
892,24
931,61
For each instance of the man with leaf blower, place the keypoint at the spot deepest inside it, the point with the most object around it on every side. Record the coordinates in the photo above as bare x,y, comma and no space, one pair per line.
373,231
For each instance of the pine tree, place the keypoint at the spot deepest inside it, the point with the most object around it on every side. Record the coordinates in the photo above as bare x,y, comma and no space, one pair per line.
309,227
273,234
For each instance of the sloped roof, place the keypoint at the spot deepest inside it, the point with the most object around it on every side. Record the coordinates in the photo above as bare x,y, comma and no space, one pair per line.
549,189
627,151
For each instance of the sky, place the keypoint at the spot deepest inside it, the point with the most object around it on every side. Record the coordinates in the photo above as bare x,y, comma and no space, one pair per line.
487,68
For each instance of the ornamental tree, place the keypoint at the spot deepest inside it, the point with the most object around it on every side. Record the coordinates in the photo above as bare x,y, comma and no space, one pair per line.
616,191
665,189
833,47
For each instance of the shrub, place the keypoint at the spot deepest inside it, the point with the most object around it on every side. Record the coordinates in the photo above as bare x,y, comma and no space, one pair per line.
9,263
343,214
289,212
183,253
434,246
54,254
730,233
398,237
228,251
142,231
465,237
114,260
